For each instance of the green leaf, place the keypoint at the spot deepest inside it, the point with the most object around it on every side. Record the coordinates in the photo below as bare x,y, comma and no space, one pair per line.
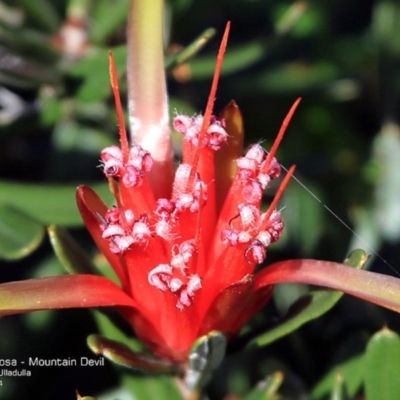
94,72
308,307
382,369
352,373
73,136
151,387
74,259
42,12
19,234
111,324
28,43
107,22
205,356
51,110
267,389
296,19
385,27
300,207
339,389
48,204
123,355
191,50
236,59
288,78
68,251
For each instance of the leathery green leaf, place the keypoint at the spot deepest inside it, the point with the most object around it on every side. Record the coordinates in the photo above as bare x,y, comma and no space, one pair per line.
267,389
123,355
19,234
308,307
382,368
205,356
191,50
339,389
160,387
68,251
109,325
48,204
352,376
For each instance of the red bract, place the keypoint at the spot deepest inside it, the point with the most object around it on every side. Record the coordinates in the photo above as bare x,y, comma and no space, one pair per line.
186,261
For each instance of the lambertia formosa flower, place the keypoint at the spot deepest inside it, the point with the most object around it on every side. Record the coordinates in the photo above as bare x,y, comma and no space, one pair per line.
185,249
186,262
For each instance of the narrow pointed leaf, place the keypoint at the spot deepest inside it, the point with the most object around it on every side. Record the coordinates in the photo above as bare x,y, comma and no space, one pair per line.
123,355
42,12
93,87
191,50
206,355
382,368
236,59
267,389
308,307
379,289
68,251
70,291
352,372
339,391
19,234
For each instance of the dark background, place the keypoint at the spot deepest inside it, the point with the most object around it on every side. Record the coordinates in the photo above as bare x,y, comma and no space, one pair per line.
341,57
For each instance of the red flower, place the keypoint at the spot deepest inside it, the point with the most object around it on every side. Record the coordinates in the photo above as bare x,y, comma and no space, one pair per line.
187,259
185,252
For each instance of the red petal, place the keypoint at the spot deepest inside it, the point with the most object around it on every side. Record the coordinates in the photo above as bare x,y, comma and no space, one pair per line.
225,159
229,210
140,199
159,307
176,329
173,343
377,288
228,306
230,266
255,304
67,291
90,206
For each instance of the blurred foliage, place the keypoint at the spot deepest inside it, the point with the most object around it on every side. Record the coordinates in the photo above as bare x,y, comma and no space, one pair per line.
56,114
376,369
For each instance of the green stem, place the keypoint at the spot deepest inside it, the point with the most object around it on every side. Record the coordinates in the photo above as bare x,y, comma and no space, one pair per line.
147,93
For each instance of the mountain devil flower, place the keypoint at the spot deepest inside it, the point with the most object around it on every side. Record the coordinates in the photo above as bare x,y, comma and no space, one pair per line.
184,243
186,262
